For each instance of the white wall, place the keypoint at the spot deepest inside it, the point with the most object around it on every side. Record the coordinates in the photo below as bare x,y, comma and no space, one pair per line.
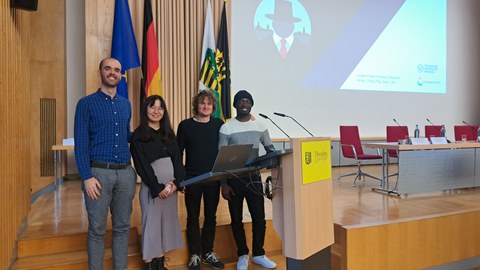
76,76
323,110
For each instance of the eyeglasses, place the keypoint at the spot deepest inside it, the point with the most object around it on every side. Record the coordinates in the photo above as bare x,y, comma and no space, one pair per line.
153,108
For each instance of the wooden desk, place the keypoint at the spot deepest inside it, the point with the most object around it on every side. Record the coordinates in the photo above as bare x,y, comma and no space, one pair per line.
58,162
425,168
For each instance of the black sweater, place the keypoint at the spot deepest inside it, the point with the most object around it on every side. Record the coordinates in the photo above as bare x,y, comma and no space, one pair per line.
200,142
146,152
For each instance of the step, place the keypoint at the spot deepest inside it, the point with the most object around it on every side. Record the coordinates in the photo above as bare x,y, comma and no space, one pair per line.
75,244
51,244
225,246
76,260
275,256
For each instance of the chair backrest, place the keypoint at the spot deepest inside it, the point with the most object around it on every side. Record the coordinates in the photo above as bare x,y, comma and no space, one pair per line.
434,131
395,133
349,135
470,131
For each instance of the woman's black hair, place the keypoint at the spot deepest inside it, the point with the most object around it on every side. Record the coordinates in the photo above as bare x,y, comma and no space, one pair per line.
166,130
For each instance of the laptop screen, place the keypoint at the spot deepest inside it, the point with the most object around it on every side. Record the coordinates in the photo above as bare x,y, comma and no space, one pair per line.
231,157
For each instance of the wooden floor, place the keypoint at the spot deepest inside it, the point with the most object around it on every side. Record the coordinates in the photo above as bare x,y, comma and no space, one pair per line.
360,206
63,211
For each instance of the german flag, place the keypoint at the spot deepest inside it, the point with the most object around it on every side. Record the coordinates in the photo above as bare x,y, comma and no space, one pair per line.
151,83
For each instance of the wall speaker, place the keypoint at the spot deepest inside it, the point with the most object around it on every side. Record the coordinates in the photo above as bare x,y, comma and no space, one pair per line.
30,5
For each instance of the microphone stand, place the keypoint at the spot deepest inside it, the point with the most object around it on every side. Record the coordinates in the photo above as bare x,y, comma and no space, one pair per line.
266,117
403,131
442,127
284,115
440,130
471,127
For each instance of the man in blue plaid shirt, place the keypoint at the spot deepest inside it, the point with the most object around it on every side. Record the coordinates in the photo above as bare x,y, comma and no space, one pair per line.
102,132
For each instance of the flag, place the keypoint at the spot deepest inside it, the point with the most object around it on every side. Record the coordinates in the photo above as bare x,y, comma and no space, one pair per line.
151,83
223,65
124,45
208,69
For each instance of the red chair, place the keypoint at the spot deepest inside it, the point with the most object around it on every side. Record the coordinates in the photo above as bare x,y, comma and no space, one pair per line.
470,131
432,131
395,133
352,148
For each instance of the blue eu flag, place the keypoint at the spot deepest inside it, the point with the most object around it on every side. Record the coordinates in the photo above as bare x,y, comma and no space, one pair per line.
124,45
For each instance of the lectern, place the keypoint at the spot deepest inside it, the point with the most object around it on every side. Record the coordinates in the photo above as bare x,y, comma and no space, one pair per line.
302,206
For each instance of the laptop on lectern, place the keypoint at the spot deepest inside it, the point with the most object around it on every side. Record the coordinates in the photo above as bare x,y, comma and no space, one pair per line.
230,158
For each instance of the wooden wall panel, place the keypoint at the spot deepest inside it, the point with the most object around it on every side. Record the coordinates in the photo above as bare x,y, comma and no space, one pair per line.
179,26
47,135
32,66
48,78
15,123
410,244
98,38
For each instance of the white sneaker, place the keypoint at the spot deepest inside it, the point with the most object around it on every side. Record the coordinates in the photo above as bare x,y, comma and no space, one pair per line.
264,261
242,263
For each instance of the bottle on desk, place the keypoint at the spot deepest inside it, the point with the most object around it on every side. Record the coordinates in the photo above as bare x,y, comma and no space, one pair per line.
443,131
416,133
478,134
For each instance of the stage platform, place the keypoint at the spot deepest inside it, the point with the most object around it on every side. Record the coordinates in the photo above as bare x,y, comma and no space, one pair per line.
372,230
426,230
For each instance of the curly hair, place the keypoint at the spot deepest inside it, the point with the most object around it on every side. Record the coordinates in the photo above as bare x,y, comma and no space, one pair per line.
200,97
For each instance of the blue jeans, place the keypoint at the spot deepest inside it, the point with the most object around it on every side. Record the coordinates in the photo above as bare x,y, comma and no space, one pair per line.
118,190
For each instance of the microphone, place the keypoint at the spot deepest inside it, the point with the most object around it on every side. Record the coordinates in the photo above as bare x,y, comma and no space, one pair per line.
396,122
471,127
467,124
431,122
266,117
440,130
402,129
284,115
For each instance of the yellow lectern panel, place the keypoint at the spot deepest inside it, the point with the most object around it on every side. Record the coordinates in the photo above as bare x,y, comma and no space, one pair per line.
316,161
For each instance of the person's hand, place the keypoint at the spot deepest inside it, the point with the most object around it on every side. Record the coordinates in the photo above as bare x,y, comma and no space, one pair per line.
168,190
164,193
92,188
227,192
174,187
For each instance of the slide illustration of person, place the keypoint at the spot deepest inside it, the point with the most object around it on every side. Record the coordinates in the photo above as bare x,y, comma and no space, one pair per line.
283,23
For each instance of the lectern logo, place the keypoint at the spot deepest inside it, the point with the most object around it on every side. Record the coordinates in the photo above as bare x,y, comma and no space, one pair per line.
308,158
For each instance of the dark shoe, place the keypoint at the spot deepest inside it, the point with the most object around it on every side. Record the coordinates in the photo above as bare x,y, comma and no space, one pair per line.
157,264
161,263
151,265
213,260
194,263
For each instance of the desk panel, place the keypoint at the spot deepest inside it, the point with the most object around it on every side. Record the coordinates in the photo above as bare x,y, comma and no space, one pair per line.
433,170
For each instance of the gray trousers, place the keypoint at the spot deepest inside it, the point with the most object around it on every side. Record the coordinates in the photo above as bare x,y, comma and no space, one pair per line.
118,190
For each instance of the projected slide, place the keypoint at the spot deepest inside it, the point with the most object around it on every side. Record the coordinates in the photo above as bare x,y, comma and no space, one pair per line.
376,45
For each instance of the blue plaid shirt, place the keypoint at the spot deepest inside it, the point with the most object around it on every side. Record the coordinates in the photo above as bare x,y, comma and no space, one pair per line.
102,131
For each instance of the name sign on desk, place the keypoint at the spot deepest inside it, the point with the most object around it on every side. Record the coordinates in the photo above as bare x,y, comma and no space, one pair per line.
316,161
438,140
419,141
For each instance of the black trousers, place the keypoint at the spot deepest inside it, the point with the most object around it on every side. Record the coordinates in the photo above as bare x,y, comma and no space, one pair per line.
255,202
201,244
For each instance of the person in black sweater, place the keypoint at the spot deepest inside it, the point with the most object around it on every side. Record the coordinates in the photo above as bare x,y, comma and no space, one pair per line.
198,137
158,161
